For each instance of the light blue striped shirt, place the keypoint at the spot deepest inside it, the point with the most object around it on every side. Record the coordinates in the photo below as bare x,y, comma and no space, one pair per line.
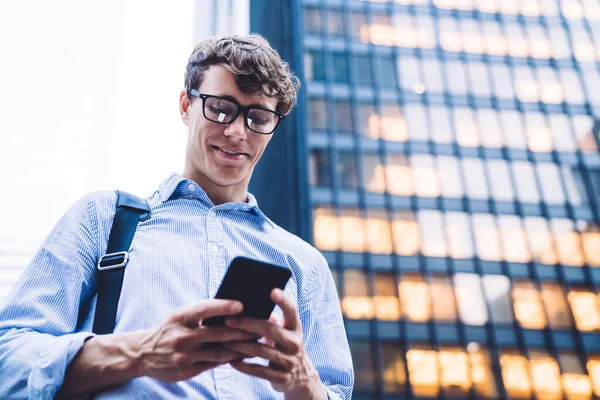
178,256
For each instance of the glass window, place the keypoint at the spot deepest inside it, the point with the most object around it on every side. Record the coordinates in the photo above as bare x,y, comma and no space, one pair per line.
313,23
500,182
494,40
458,233
356,302
475,179
556,305
416,119
514,240
481,372
549,178
590,238
491,135
454,371
369,122
539,44
399,176
539,136
379,232
514,134
497,293
540,240
314,66
326,229
423,372
472,37
425,175
409,73
593,366
394,371
387,306
457,79
478,78
583,125
432,72
561,49
528,305
517,44
450,178
393,125
486,235
568,242
343,117
426,29
574,185
362,67
551,90
407,235
575,381
352,228
358,26
572,86
584,306
450,39
339,71
318,113
466,127
432,233
346,170
526,86
335,23
502,82
515,375
385,71
525,182
381,31
545,375
373,173
320,168
583,48
441,128
442,296
591,80
415,299
561,132
364,372
470,298
405,34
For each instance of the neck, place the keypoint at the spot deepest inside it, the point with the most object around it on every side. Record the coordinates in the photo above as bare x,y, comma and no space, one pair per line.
216,193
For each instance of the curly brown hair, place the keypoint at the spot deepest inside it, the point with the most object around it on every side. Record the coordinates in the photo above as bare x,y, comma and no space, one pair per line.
256,65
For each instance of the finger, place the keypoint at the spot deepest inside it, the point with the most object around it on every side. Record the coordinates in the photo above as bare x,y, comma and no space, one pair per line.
278,335
192,314
291,320
276,320
270,374
283,361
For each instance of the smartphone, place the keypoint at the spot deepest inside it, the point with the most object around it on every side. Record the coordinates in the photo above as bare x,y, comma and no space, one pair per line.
251,282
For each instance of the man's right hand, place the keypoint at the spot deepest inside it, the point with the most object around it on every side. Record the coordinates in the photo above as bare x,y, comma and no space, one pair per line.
170,352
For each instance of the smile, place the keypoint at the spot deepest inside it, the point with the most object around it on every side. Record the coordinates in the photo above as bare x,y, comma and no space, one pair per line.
229,153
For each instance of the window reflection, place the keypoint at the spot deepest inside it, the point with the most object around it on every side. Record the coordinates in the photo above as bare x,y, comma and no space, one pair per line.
568,242
526,183
487,239
500,182
347,170
515,375
545,375
320,168
356,302
318,113
528,305
326,229
416,119
343,117
352,230
470,298
440,126
399,176
423,372
425,176
491,134
556,305
393,125
540,240
379,232
432,233
514,242
387,306
475,179
373,173
576,383
590,238
497,294
415,298
442,295
514,133
584,306
458,234
539,136
466,128
394,372
550,179
450,176
406,233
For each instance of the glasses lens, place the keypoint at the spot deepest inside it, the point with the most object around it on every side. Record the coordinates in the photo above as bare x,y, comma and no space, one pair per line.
219,110
262,121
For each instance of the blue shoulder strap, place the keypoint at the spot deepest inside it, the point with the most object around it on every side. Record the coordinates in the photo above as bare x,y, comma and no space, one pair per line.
111,267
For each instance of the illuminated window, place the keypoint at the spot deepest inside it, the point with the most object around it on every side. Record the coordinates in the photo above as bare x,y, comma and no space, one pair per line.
540,240
561,132
509,7
549,178
450,178
347,169
525,182
517,44
458,233
407,235
326,229
556,305
364,372
450,39
572,86
457,78
454,371
583,126
475,178
373,173
488,122
442,296
575,381
497,293
415,299
514,134
514,375
584,306
526,86
358,26
500,181
470,298
481,374
545,375
593,366
426,30
568,242
399,176
514,241
425,175
583,48
539,136
379,232
502,82
369,121
487,6
466,127
539,45
440,127
561,48
387,306
318,113
572,9
394,372
494,40
423,372
416,119
590,238
393,125
432,233
487,240
352,229
527,303
472,37
551,90
356,302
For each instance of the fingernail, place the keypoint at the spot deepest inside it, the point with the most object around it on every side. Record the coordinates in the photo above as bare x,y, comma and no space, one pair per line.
236,307
276,294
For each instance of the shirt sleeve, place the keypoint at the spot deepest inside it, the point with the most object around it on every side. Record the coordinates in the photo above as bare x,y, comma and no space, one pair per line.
324,333
39,318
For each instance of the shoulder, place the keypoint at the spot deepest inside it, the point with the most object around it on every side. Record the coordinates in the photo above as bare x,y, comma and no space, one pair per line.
302,251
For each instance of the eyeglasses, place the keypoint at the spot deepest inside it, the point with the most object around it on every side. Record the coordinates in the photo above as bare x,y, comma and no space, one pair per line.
225,111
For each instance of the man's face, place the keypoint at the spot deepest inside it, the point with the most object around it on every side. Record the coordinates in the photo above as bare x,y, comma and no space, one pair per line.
205,155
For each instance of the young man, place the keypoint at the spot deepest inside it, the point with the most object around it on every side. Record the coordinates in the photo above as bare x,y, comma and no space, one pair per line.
237,91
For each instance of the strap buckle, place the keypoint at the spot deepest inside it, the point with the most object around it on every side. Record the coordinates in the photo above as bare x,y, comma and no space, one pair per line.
113,260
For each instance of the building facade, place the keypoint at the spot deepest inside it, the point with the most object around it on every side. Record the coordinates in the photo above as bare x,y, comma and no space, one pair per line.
444,159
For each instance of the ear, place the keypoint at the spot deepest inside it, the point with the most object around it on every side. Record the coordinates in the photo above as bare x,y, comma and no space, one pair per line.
184,107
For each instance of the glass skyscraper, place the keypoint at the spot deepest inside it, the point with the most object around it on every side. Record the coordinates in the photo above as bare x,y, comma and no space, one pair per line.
444,159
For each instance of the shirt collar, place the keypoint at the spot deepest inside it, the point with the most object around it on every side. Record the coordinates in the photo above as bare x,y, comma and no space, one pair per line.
176,186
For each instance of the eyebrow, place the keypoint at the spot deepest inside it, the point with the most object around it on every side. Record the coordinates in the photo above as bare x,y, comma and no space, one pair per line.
231,98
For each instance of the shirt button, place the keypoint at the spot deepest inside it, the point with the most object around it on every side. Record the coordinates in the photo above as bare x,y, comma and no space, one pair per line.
191,187
215,248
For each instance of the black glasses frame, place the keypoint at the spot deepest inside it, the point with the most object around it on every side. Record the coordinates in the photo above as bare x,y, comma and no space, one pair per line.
240,109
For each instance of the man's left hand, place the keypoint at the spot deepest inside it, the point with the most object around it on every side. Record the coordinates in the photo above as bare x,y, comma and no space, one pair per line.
290,370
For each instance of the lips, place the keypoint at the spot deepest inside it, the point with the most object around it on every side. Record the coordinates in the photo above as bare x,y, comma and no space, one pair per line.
231,151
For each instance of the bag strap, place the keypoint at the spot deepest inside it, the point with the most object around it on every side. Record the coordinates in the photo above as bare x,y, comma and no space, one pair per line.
111,267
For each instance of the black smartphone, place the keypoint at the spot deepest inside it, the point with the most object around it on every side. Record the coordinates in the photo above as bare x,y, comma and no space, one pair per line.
251,282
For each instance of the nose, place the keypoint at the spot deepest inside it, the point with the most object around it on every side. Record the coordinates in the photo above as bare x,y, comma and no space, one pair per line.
237,129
